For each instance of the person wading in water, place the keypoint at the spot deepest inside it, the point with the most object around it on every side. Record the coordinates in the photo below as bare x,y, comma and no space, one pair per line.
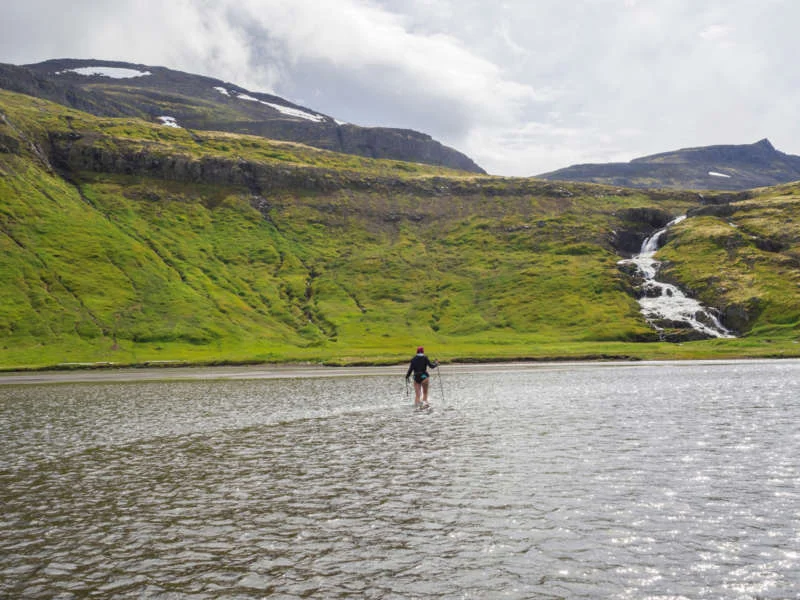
419,366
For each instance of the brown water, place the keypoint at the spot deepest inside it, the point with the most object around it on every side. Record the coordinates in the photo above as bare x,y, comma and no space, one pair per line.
592,481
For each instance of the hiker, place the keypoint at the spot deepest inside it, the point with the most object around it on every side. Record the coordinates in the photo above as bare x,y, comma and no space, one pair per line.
419,366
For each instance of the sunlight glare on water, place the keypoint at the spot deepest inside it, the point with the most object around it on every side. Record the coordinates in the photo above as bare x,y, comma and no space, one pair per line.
556,481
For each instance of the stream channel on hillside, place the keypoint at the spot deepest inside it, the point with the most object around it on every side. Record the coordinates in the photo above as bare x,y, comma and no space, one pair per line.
627,480
665,304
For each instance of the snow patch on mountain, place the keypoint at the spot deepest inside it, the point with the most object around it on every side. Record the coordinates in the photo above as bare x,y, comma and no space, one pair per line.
222,90
286,110
296,112
169,122
715,174
112,72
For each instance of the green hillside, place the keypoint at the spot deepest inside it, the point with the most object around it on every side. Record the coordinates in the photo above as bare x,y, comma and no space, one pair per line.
127,242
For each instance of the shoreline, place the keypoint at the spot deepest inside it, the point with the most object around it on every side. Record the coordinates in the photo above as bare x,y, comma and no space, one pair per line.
108,374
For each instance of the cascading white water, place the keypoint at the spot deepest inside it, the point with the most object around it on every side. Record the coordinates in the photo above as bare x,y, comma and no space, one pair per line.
664,302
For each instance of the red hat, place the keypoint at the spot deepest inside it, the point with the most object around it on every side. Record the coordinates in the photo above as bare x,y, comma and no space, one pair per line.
420,350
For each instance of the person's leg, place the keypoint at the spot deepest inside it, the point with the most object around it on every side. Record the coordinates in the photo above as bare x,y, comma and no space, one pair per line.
425,391
417,392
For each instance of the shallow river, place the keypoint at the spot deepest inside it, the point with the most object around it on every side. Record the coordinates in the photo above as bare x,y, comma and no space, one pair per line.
551,481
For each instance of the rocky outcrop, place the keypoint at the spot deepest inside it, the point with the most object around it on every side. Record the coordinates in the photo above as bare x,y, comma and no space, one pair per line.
639,224
8,144
740,316
401,144
75,154
73,151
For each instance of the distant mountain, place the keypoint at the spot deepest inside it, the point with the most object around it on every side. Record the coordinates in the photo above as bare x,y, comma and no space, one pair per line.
731,167
178,99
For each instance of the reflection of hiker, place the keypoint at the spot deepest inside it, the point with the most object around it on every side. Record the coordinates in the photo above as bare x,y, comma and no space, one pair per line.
419,365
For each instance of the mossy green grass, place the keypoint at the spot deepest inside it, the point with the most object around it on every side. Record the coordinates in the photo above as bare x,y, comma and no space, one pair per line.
117,266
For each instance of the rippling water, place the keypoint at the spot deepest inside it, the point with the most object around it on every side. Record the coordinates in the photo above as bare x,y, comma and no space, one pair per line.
587,481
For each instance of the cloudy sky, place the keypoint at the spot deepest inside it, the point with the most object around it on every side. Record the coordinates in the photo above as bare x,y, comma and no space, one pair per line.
521,86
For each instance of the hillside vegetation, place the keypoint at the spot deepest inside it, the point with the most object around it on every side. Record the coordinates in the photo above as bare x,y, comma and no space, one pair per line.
127,242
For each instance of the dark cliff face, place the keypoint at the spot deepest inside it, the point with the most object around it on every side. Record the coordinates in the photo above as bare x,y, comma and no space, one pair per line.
72,152
204,103
724,167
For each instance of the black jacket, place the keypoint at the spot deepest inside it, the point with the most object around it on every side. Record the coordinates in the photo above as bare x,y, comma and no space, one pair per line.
419,364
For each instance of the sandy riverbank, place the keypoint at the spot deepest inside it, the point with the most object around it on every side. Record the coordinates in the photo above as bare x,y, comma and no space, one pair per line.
302,371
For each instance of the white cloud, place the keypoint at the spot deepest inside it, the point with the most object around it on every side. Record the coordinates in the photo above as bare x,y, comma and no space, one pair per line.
716,32
546,146
361,38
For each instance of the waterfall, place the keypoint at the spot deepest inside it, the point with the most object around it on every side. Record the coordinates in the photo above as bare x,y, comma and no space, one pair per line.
664,304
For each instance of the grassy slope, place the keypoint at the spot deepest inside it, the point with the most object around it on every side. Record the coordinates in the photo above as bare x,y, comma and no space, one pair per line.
749,258
129,269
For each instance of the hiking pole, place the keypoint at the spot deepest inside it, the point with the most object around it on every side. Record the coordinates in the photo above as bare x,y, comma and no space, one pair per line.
439,377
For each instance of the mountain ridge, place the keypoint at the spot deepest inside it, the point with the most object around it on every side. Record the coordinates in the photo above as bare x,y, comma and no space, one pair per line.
199,102
728,167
